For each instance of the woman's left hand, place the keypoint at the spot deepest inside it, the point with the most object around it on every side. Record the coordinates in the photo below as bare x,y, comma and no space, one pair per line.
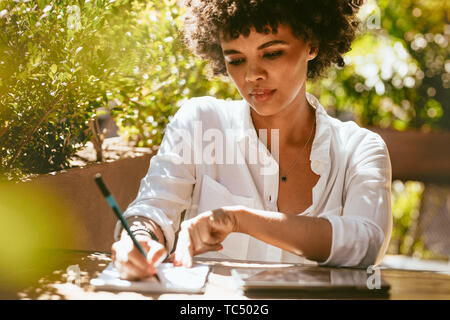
203,233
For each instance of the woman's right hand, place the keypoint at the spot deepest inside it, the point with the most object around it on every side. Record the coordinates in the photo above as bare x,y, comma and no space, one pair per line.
130,262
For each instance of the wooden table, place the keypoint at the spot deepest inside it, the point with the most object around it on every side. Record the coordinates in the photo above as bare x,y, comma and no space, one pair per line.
405,285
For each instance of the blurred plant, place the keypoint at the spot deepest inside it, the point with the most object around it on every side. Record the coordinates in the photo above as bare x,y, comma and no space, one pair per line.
398,71
63,63
172,74
423,28
54,62
406,197
406,205
40,225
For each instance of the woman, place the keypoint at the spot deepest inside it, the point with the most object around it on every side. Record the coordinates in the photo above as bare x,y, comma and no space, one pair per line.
322,193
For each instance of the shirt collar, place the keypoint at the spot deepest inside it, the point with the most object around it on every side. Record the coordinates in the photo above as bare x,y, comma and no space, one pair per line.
320,151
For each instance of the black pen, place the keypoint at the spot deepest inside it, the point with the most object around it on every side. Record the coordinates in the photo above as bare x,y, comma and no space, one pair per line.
113,204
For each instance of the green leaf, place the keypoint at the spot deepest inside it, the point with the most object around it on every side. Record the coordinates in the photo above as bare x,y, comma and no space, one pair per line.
53,68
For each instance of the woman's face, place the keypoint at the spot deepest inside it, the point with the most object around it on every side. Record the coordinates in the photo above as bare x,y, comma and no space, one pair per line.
269,70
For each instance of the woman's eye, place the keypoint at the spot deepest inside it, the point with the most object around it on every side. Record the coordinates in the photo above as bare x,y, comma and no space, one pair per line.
236,62
268,55
273,55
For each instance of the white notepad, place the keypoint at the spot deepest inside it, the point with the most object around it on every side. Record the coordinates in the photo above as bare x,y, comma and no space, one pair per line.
173,279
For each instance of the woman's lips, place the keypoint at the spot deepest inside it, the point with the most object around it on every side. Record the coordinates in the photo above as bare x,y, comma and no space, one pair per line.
262,95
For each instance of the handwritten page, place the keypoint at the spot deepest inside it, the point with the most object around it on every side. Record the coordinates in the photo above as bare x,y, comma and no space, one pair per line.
173,279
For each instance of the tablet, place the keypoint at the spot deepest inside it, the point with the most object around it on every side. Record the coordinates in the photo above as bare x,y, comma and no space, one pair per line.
310,278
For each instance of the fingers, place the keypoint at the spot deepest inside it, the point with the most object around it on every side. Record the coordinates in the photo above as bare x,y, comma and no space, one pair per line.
129,271
184,252
156,254
203,232
127,263
203,239
194,238
130,262
171,258
140,262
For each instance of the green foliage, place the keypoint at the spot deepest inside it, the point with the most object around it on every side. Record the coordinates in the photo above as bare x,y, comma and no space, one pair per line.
54,67
406,198
398,71
406,210
147,100
62,63
36,91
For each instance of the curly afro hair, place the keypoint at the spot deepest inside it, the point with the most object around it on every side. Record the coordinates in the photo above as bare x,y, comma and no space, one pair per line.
330,25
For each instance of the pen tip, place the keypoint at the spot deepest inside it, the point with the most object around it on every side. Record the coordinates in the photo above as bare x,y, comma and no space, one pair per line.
98,175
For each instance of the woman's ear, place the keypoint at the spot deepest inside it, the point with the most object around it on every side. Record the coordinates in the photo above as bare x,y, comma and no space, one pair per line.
313,51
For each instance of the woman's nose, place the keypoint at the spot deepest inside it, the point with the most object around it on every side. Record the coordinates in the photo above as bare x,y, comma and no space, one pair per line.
255,73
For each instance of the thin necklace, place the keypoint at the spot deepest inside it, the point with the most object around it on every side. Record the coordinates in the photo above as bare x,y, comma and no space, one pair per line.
284,177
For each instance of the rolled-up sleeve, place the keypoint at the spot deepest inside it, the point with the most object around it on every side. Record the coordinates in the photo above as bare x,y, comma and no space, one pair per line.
361,233
165,191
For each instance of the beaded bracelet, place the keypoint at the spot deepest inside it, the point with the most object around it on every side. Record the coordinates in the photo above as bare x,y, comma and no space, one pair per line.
136,229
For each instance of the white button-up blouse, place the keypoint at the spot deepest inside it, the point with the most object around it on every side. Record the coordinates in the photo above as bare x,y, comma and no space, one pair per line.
211,157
